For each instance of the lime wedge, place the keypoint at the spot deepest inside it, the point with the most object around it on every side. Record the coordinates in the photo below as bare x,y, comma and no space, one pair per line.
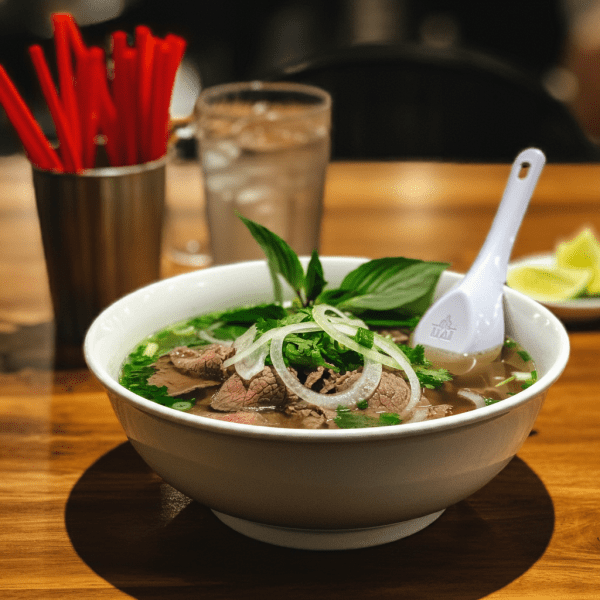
549,284
582,252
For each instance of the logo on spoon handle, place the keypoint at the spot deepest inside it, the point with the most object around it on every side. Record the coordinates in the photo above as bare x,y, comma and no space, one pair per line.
442,330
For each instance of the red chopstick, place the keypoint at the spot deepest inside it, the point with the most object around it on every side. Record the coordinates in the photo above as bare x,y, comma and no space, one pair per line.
124,93
36,144
66,77
132,111
179,45
168,55
144,43
119,44
158,134
108,119
75,37
89,81
69,152
129,104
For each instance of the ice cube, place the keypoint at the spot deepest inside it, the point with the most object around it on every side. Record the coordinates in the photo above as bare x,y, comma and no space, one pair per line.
254,195
221,182
220,155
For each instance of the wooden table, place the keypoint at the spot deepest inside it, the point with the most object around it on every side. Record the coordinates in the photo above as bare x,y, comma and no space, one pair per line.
82,517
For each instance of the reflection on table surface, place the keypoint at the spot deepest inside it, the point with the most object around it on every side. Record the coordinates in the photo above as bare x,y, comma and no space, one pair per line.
83,517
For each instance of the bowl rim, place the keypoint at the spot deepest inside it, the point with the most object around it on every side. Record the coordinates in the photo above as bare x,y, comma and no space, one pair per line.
320,435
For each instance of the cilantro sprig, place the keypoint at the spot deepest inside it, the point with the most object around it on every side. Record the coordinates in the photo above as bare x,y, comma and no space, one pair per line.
348,419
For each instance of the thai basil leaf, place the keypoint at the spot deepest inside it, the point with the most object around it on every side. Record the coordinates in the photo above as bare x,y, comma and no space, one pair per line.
251,314
391,283
281,258
315,282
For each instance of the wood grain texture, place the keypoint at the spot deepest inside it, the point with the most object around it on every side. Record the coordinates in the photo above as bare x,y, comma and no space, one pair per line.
81,516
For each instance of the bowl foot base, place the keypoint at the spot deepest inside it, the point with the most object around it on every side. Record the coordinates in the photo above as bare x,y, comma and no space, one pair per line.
327,539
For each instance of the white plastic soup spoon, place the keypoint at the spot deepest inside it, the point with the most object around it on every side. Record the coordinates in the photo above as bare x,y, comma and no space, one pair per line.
465,327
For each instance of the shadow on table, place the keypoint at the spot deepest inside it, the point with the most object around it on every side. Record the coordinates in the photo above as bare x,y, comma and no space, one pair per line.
150,541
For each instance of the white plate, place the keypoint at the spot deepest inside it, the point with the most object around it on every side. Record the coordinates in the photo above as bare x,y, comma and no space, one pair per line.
577,310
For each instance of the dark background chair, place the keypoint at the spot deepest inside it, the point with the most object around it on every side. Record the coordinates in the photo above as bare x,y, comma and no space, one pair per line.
235,40
410,102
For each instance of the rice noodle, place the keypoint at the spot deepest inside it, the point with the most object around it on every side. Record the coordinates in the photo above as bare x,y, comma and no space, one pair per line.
363,388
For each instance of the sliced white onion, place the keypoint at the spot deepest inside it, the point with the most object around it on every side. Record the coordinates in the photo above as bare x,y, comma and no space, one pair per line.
341,333
245,340
254,363
339,327
187,331
264,339
474,397
363,388
521,375
395,359
340,317
403,363
419,414
203,334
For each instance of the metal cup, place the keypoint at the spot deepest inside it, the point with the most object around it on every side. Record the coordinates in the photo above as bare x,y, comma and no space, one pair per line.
101,232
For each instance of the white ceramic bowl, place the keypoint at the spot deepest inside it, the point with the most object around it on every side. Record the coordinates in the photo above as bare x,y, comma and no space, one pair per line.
324,489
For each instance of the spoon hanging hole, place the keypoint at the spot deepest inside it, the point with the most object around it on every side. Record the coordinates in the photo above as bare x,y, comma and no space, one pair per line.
524,170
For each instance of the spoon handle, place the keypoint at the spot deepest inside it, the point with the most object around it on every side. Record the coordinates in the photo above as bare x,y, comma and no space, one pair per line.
496,250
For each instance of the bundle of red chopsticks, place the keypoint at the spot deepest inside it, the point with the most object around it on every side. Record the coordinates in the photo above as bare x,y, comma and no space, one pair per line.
127,104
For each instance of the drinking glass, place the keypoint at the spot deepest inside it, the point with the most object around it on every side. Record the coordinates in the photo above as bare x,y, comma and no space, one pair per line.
264,150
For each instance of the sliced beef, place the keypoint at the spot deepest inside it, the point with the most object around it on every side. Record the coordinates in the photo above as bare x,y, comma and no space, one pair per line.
323,380
392,393
310,416
204,362
177,383
315,378
264,389
438,411
245,417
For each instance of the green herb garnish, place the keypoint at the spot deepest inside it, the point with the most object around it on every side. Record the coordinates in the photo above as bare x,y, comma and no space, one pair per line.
524,355
429,377
529,382
135,374
490,401
365,337
396,289
346,419
284,262
398,284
